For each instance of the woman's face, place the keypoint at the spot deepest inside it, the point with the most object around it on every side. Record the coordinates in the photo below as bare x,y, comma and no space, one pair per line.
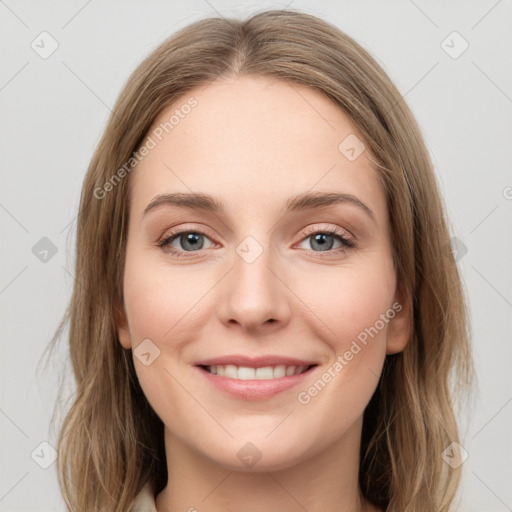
290,272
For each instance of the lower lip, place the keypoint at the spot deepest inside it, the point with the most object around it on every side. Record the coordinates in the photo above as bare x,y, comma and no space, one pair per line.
254,389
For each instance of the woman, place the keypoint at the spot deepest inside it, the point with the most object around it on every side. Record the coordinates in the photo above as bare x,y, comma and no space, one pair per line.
265,314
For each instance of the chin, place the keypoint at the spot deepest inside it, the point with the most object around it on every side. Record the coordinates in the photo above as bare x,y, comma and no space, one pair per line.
250,459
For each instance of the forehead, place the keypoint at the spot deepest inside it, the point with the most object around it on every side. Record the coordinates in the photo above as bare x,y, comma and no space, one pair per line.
254,137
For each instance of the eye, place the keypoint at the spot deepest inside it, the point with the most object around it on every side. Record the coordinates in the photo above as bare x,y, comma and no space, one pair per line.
330,241
186,241
325,240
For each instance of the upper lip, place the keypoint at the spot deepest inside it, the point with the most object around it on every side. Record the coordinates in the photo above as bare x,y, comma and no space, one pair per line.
255,362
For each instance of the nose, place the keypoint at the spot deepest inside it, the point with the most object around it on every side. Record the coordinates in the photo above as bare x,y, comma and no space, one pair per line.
254,297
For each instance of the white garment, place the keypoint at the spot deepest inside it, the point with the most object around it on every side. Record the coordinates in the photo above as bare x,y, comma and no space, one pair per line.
144,501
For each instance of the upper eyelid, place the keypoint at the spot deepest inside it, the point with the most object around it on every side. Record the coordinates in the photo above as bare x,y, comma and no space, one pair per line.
171,232
331,229
190,227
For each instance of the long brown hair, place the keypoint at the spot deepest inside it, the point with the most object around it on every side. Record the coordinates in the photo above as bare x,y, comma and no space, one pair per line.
111,441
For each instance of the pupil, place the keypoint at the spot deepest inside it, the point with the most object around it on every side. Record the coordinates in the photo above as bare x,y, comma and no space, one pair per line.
320,239
192,239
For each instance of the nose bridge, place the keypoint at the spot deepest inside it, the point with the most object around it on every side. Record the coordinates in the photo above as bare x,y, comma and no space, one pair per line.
253,295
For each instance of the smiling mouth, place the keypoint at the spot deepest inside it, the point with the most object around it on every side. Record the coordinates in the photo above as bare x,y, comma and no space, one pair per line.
259,373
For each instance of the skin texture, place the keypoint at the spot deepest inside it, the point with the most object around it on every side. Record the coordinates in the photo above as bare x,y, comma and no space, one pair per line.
252,143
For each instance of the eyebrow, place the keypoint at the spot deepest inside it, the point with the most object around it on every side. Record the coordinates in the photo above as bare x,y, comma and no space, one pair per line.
299,202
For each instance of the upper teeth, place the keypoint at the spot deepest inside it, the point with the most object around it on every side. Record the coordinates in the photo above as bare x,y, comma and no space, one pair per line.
246,373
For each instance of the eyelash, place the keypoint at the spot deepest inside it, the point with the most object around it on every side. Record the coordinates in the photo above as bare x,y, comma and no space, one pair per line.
347,242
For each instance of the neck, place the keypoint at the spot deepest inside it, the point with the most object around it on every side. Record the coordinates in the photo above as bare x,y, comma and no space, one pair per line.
324,482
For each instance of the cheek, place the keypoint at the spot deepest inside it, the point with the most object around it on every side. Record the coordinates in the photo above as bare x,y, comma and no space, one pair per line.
161,305
160,301
350,300
355,306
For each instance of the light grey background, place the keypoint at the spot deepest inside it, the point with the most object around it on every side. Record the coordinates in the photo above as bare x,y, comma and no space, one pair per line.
54,110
